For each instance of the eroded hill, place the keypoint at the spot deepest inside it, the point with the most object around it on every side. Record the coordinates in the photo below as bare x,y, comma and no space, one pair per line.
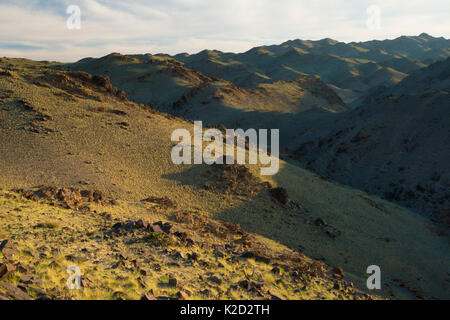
395,145
74,130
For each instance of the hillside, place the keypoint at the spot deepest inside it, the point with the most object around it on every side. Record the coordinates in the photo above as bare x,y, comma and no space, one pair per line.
76,134
435,77
169,86
394,145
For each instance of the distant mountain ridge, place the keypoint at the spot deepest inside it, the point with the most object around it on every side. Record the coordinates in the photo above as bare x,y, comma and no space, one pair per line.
352,68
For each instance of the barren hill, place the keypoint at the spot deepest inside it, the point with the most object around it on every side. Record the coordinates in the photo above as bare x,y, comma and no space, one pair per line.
169,86
114,204
394,145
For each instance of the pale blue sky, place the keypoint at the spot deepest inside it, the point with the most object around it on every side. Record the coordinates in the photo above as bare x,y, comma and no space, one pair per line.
37,29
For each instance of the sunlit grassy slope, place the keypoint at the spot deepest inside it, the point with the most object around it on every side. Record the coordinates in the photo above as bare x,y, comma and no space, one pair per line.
57,129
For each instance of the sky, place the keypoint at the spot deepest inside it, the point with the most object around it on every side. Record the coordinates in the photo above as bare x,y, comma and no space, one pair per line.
38,29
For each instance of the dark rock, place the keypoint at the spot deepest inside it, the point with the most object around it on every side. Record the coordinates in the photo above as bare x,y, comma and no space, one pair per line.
142,282
166,227
248,254
320,222
129,225
87,283
182,295
244,284
163,202
15,292
338,273
193,256
140,224
6,269
276,270
337,286
280,194
148,297
172,282
122,256
30,279
332,232
177,255
73,258
156,229
205,293
215,280
262,259
7,248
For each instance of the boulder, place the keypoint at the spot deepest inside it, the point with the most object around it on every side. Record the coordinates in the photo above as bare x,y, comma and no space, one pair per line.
6,269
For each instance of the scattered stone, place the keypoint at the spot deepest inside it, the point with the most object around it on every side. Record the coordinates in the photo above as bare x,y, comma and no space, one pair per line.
6,269
163,203
117,225
280,194
148,297
72,258
8,249
15,292
193,256
166,227
337,286
332,232
320,222
172,282
244,284
361,135
181,295
29,106
177,255
141,224
28,279
215,280
156,228
338,273
205,293
276,271
142,282
248,254
262,259
67,198
87,283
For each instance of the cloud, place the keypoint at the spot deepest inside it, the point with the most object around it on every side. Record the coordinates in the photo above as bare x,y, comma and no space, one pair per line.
37,29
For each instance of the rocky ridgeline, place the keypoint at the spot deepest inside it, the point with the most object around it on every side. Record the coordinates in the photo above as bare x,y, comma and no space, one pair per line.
84,84
66,197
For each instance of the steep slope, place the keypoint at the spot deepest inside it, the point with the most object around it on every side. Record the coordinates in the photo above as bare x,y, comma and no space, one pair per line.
436,77
168,86
73,130
395,145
